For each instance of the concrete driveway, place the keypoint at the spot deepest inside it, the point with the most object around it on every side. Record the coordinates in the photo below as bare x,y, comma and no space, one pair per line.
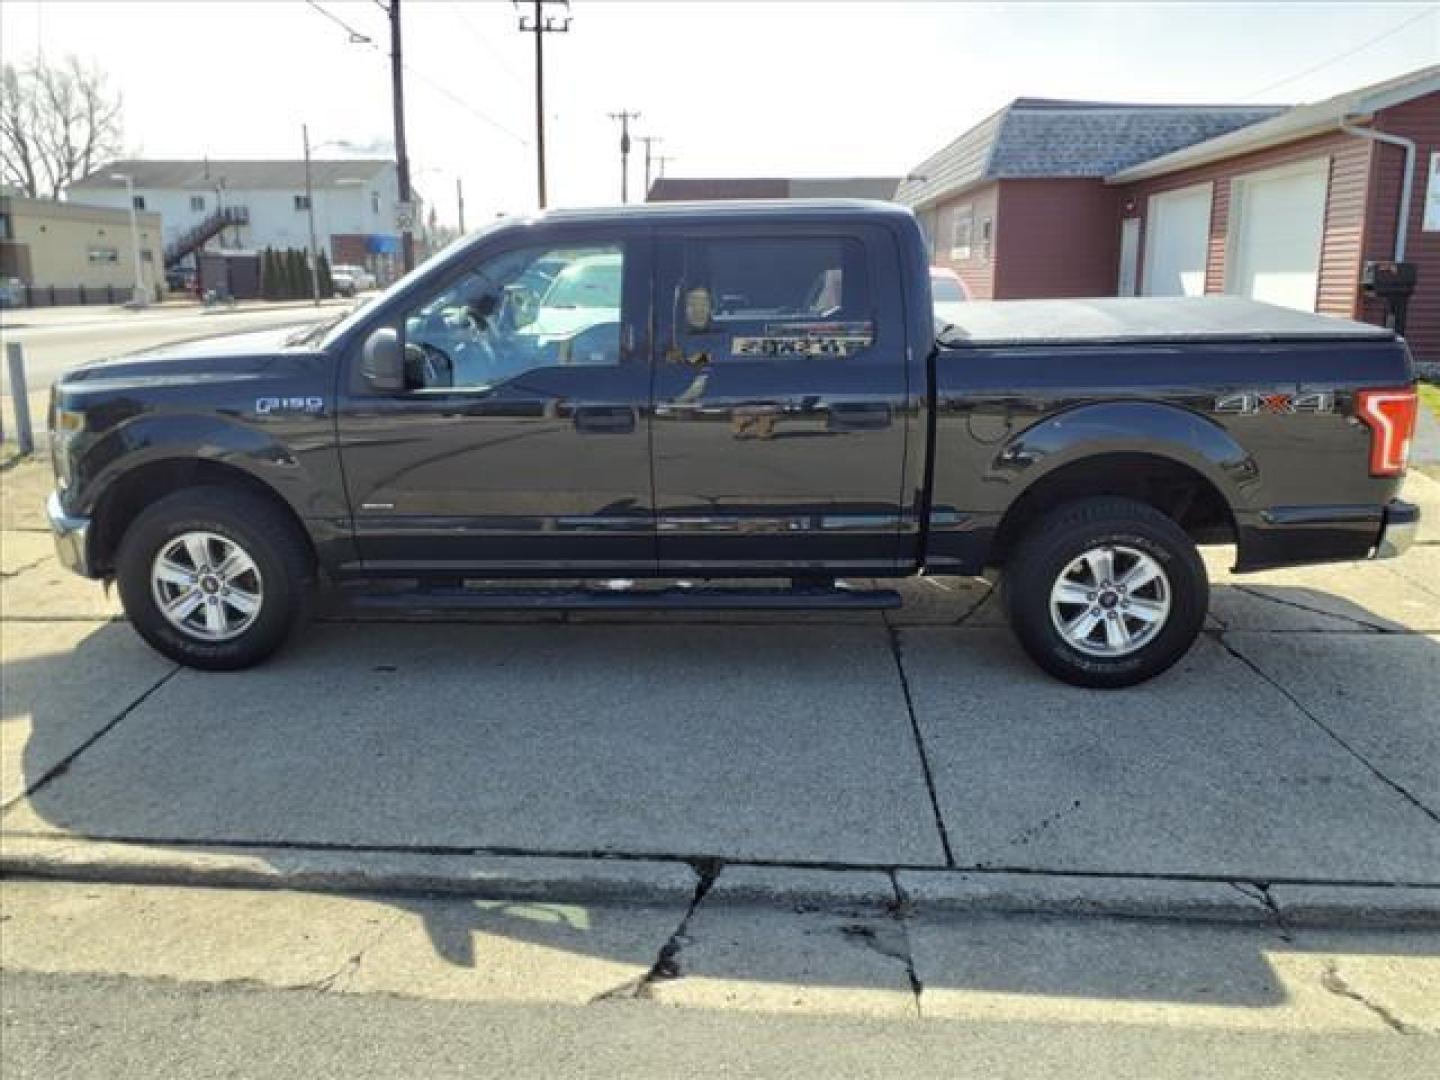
1298,742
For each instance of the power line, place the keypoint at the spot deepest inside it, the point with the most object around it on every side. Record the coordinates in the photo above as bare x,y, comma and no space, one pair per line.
357,38
1345,55
474,32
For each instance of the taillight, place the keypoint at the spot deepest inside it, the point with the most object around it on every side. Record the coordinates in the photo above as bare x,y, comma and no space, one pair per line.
1390,415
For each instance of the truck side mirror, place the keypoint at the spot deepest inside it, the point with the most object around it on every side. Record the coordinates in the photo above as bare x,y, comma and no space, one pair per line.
381,361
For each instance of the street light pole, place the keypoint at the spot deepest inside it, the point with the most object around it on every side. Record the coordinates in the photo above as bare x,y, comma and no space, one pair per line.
138,298
460,203
310,212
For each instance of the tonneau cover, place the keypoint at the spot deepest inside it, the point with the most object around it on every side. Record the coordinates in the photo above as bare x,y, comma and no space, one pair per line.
1145,319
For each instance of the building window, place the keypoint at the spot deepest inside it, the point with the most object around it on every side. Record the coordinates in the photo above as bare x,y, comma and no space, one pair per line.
104,255
375,202
987,235
302,202
197,202
4,226
962,232
139,202
146,255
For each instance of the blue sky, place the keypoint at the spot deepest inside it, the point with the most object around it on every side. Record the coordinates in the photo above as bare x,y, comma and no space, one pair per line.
733,88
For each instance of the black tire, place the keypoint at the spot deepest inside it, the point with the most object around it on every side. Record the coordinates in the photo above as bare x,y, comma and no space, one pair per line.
1055,541
262,529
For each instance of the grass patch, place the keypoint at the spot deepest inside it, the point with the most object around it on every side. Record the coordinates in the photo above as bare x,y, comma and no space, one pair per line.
1430,397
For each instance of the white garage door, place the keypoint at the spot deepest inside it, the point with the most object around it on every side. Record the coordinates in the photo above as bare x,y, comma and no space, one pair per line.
1177,236
1277,222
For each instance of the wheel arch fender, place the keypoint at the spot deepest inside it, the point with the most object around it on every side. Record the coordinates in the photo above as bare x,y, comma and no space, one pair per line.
1133,449
132,465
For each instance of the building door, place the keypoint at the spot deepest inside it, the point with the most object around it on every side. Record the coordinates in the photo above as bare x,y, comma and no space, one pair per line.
1277,225
781,401
1129,256
1177,234
520,443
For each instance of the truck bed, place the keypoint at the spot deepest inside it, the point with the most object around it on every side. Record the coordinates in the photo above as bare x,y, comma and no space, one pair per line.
1146,320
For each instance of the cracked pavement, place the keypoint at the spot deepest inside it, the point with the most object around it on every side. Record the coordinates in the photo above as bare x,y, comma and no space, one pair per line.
1296,748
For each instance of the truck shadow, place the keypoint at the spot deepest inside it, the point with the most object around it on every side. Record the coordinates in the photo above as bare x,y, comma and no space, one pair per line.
762,741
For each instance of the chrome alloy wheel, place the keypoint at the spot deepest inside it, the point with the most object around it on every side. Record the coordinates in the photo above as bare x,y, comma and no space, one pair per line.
1110,601
206,586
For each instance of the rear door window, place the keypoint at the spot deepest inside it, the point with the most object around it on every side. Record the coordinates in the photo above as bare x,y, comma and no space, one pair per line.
774,297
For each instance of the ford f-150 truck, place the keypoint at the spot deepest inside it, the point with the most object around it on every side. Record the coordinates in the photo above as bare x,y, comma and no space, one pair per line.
688,394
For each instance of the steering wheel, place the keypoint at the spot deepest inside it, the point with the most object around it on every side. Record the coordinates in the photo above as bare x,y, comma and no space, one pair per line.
428,367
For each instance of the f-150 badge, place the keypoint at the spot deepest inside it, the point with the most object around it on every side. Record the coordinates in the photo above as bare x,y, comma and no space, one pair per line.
1252,403
268,406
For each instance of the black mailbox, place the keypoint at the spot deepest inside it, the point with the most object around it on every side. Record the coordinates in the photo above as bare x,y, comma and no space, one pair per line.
1392,283
1388,278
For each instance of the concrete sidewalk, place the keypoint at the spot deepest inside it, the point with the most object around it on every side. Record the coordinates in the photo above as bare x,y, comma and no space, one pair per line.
1298,744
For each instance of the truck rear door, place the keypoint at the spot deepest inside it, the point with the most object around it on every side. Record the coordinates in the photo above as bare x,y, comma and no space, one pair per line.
780,399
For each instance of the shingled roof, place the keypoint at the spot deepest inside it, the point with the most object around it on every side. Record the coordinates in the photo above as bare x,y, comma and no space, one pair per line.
242,174
690,188
1042,138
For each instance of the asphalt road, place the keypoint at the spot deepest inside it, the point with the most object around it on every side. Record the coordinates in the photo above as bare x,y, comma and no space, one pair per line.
58,1027
51,346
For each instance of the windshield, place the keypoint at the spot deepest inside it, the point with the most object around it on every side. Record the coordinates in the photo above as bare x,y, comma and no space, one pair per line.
946,290
355,314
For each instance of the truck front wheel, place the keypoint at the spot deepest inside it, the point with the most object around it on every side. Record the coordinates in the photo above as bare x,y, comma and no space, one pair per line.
1105,592
214,577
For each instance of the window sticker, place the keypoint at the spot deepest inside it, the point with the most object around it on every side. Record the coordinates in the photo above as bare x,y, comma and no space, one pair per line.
806,339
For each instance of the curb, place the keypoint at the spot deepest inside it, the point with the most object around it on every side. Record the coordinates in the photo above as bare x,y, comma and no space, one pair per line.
557,879
496,877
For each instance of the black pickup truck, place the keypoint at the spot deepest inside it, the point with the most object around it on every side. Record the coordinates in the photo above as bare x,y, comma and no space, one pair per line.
689,394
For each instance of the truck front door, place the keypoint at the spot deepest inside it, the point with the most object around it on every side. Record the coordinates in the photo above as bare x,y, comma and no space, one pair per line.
520,444
780,412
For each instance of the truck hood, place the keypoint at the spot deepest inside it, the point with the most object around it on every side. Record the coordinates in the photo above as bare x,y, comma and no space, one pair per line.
251,353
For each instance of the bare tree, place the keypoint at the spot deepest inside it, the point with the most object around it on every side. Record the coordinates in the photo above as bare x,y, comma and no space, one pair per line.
57,124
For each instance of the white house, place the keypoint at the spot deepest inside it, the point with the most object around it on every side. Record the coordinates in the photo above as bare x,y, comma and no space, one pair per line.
250,205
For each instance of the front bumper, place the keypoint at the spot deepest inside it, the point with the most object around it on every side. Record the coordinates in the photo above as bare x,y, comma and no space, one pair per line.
72,535
1397,531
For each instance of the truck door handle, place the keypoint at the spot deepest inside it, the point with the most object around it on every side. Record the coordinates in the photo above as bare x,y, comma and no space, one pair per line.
605,419
859,417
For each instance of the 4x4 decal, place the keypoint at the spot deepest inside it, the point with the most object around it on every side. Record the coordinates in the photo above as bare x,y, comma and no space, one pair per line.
1251,403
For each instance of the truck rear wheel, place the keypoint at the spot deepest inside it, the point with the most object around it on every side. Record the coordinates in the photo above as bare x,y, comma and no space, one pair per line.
213,577
1105,592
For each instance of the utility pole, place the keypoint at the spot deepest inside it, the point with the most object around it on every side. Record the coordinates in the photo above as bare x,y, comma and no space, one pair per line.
649,141
541,24
661,159
460,203
625,118
402,159
310,212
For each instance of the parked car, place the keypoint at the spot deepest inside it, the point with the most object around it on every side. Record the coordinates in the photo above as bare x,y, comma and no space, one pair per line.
361,278
947,292
342,281
758,392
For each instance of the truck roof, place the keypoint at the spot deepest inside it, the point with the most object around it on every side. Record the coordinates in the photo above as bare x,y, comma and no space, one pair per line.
1145,319
724,209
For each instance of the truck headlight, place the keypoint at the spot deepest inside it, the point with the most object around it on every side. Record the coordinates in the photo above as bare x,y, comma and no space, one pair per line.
65,424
